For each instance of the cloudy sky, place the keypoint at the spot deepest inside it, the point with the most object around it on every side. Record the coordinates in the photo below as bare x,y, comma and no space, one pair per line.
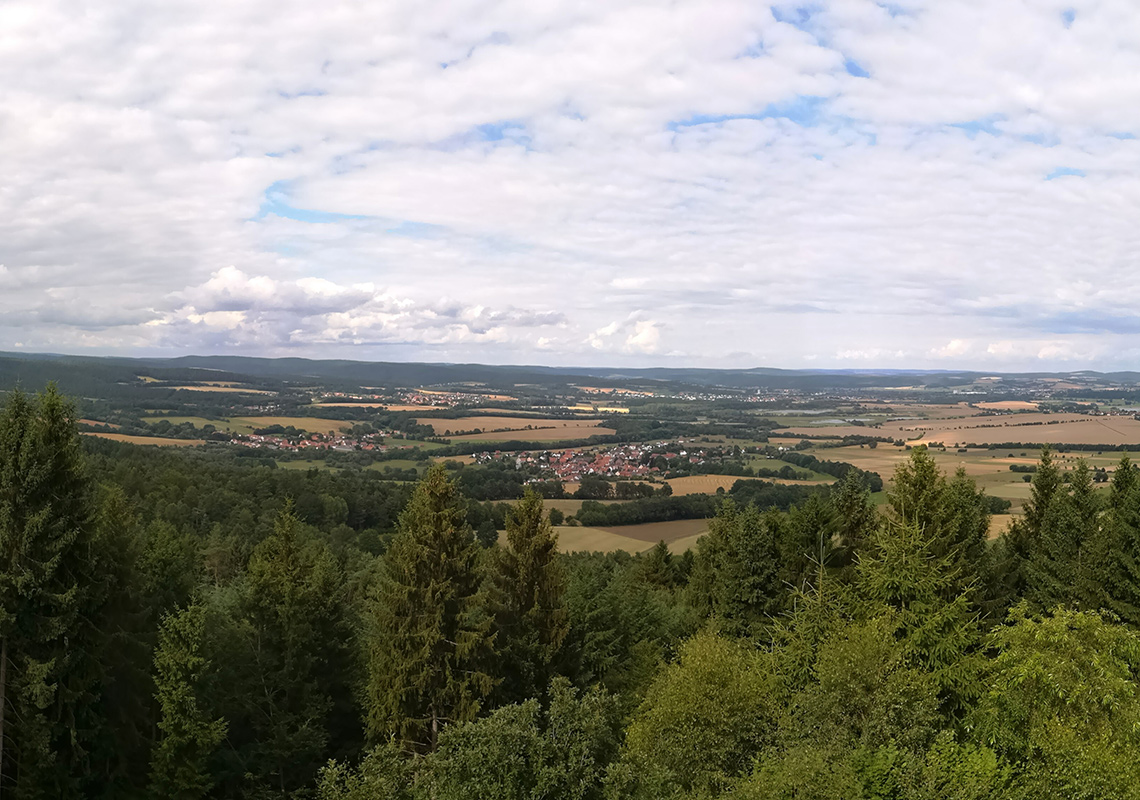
708,182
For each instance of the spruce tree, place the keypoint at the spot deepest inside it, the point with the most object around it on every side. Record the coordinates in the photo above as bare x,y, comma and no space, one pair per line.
738,571
1055,570
530,613
901,575
180,765
430,634
47,682
291,699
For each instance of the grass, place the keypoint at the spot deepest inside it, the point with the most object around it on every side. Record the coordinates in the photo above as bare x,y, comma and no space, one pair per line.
309,424
231,425
153,440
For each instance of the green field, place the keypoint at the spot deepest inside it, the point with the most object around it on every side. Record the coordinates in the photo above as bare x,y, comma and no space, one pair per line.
231,425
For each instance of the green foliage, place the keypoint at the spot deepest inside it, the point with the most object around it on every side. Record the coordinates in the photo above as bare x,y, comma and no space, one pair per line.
1061,702
48,593
703,720
430,637
937,629
179,768
527,597
737,570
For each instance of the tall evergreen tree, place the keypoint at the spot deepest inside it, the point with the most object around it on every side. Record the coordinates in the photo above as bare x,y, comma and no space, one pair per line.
530,612
939,634
856,517
430,634
180,765
737,572
46,529
1007,563
1055,570
953,515
284,678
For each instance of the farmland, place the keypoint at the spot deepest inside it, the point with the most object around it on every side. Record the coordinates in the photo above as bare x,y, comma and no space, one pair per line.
1028,428
152,440
631,538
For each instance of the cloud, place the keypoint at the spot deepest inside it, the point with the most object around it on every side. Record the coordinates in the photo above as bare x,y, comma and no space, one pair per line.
620,183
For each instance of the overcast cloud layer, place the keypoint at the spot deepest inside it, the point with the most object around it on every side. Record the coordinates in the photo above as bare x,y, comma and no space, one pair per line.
707,182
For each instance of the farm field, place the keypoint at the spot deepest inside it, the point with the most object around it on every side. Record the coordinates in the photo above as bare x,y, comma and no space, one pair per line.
654,532
110,425
213,387
990,469
310,424
703,484
573,539
233,426
1028,428
506,423
155,440
567,429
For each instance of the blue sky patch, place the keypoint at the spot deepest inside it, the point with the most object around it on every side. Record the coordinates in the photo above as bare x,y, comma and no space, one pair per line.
1061,172
277,203
984,125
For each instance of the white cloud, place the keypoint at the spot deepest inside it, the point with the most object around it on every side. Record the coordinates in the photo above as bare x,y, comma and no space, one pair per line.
690,182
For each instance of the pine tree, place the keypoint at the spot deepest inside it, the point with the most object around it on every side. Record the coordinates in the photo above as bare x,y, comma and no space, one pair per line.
856,517
530,614
293,700
902,575
179,767
46,530
1007,563
430,635
953,515
737,575
1055,570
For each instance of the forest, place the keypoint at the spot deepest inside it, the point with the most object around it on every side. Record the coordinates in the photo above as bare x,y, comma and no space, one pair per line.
182,625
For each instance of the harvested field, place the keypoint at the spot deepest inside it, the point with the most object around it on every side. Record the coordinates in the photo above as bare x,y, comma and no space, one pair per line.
999,523
502,429
360,405
703,484
218,388
1028,428
310,424
654,532
155,440
1008,405
575,539
110,425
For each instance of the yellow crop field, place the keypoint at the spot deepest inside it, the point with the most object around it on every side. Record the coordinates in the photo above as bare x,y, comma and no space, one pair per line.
1030,428
1008,405
501,429
218,388
702,484
155,440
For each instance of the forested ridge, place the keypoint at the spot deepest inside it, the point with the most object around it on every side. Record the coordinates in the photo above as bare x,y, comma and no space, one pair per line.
176,625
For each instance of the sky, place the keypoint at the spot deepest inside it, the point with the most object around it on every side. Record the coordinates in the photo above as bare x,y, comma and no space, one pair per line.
847,184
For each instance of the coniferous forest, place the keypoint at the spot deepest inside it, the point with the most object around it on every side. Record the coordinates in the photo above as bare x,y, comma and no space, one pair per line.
177,626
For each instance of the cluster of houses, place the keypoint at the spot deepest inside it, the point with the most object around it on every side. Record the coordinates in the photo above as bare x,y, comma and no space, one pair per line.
338,442
619,461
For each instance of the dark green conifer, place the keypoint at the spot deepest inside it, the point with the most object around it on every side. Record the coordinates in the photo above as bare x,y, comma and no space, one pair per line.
430,635
527,590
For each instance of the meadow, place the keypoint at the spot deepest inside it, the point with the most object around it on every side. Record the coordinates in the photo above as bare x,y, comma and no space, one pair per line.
154,440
